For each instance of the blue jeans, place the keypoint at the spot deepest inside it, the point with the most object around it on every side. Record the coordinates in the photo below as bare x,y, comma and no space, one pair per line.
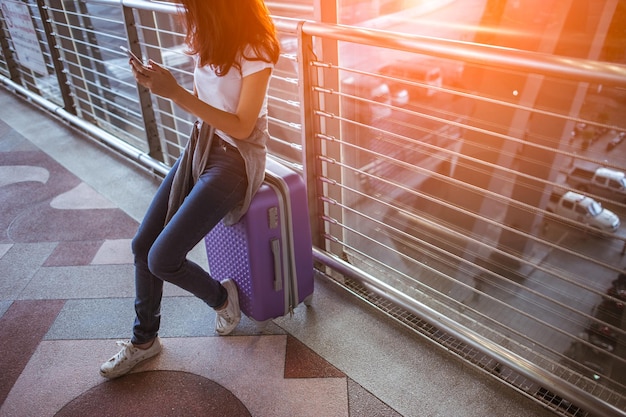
160,253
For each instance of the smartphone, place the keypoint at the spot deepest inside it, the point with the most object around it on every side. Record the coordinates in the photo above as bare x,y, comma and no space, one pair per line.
132,56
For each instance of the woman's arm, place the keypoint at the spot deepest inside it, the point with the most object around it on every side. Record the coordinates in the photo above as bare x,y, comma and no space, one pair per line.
239,124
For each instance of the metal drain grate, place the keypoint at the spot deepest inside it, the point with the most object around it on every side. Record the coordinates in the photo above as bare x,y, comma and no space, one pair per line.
468,354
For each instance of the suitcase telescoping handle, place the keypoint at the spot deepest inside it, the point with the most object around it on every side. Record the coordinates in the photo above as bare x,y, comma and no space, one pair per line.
278,276
283,250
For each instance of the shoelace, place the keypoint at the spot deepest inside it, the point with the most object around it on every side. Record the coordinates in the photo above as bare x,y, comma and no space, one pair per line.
127,345
224,315
224,319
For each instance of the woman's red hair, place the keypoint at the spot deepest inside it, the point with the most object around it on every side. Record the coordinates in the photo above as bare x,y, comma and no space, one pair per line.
218,31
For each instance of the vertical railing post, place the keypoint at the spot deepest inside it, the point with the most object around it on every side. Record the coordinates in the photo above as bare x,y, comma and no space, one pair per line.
156,41
318,140
9,55
145,99
84,74
310,144
325,50
69,104
94,61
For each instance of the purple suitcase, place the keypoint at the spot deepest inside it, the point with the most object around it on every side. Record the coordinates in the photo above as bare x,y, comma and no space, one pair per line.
269,251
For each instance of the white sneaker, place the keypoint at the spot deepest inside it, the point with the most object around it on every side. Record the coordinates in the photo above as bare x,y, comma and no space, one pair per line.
127,358
228,318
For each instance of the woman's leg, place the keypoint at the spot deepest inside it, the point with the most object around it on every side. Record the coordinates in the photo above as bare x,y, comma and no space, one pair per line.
220,188
149,288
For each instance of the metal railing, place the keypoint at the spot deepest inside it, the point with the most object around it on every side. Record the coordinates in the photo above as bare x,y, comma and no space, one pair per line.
446,213
431,167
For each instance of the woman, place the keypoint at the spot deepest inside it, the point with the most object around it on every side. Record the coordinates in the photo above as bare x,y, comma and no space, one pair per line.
235,51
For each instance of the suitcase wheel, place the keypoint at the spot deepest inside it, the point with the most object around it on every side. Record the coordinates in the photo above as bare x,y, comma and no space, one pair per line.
308,301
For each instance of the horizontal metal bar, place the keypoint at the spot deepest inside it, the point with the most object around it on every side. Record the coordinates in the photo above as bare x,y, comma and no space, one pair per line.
574,69
300,9
153,6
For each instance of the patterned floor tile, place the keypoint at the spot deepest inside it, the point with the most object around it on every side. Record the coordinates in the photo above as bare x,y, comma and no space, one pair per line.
249,367
22,327
113,252
74,253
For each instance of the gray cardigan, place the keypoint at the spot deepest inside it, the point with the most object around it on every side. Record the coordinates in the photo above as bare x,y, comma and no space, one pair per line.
195,156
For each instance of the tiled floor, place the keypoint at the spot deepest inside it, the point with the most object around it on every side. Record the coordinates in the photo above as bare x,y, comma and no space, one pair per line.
68,210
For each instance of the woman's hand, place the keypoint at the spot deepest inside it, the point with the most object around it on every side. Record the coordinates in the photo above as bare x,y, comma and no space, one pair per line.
159,80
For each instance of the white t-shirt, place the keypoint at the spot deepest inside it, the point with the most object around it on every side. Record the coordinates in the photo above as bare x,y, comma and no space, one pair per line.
223,92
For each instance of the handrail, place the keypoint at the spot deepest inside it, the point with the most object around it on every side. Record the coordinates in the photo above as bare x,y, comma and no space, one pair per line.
574,69
299,9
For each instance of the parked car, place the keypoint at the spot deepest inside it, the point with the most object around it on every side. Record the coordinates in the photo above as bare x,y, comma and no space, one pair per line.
582,209
601,181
